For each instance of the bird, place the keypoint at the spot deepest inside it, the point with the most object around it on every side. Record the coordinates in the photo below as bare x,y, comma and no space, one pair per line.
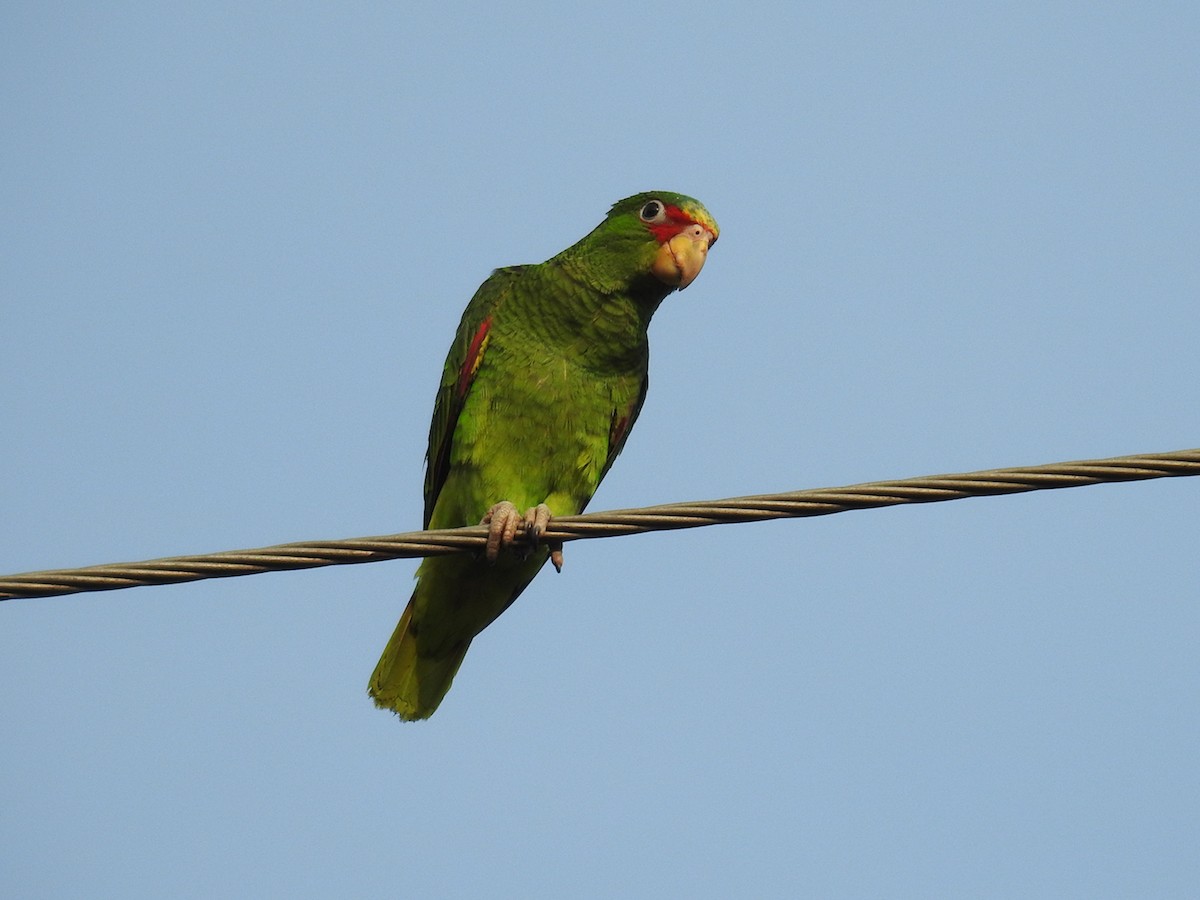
545,378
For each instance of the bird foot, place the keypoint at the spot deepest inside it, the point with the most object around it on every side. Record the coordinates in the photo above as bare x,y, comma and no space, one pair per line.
503,520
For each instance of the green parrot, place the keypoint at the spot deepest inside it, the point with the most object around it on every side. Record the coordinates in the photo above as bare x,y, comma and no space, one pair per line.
542,384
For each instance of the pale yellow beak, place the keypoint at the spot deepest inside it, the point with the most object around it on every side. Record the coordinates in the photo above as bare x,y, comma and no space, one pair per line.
681,258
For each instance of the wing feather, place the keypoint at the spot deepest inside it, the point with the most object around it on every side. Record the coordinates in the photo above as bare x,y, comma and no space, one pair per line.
466,355
621,424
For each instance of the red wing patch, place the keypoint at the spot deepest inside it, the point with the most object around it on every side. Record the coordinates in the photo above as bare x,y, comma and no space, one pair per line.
474,357
616,431
618,428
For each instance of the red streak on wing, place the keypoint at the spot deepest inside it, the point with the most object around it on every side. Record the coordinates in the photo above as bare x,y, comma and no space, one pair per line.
616,432
474,357
677,220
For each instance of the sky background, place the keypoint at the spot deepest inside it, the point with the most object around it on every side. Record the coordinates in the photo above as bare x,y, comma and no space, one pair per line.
236,242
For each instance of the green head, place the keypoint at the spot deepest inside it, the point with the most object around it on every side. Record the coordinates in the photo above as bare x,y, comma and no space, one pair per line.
656,235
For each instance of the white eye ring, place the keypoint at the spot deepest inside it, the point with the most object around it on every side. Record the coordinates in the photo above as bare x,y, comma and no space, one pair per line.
654,212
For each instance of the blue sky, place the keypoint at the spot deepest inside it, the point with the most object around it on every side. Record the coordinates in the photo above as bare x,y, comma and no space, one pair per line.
237,240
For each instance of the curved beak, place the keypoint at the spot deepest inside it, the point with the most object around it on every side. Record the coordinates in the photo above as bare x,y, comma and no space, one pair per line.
680,259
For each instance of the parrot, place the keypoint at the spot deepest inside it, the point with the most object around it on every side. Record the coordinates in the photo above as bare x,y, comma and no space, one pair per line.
545,378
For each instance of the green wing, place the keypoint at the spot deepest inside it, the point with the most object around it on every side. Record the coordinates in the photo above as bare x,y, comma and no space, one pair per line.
462,364
621,424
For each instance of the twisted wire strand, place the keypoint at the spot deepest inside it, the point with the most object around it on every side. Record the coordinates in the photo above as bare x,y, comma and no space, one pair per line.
794,504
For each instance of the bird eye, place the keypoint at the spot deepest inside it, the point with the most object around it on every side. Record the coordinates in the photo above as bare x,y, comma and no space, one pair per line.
654,212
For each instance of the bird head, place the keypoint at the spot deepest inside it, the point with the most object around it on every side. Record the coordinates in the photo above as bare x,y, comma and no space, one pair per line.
682,231
658,235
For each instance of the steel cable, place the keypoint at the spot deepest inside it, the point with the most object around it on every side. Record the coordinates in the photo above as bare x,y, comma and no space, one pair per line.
794,504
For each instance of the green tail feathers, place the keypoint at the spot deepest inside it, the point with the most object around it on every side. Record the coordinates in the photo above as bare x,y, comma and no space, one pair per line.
409,683
456,597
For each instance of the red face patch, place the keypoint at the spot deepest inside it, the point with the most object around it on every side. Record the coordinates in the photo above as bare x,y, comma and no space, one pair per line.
677,220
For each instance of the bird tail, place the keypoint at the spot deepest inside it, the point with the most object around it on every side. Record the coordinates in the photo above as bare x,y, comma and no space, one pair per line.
411,683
